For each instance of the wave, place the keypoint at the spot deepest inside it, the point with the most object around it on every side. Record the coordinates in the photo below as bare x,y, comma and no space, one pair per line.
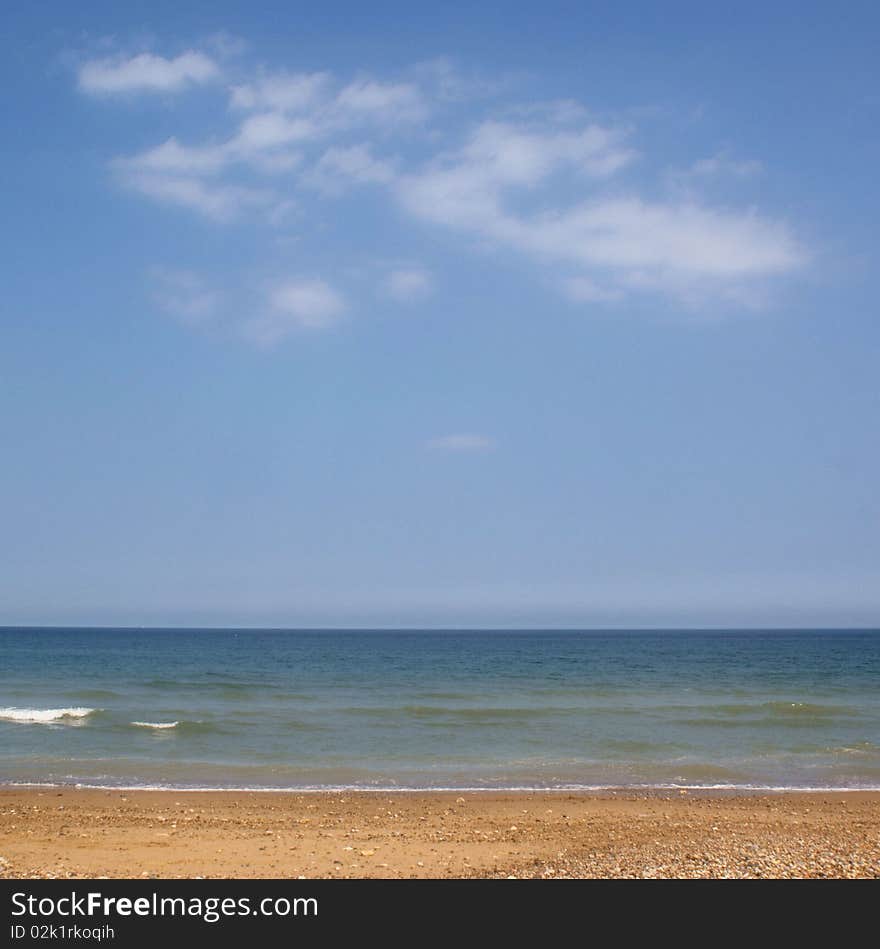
861,748
183,727
45,716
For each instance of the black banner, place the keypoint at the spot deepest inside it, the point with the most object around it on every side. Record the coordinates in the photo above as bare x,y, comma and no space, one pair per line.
383,912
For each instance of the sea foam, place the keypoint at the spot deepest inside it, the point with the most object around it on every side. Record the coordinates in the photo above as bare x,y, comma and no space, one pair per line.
155,724
44,716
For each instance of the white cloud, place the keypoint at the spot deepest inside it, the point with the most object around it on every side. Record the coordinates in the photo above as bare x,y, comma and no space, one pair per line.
718,170
625,240
389,101
408,284
339,167
465,189
629,235
262,142
282,92
461,442
538,179
305,304
172,157
330,105
218,202
146,72
269,130
176,173
511,154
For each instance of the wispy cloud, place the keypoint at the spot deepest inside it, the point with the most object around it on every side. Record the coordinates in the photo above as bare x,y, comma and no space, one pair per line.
461,442
341,167
445,81
282,92
465,188
217,201
720,170
723,164
541,180
408,284
146,72
640,239
186,295
293,306
331,105
393,102
622,242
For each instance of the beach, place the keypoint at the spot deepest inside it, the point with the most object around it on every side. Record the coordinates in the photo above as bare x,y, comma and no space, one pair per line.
373,753
77,833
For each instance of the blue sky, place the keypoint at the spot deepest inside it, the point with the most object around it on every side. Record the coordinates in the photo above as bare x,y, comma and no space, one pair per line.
393,314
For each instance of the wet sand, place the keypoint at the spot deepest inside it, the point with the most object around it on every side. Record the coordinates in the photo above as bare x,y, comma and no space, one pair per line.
66,834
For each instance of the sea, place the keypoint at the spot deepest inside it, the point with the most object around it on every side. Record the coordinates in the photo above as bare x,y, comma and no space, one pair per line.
436,709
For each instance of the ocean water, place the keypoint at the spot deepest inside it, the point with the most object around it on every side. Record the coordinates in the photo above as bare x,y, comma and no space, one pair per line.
440,709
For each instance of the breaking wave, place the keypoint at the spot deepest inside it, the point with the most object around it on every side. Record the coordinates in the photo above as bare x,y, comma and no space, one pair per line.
45,716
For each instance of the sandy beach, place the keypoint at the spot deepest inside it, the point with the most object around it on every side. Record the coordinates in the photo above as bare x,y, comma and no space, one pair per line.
61,833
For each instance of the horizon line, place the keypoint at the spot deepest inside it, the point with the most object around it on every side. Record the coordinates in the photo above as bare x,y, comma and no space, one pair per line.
441,629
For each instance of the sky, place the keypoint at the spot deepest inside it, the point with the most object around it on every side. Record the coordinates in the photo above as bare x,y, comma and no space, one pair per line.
459,314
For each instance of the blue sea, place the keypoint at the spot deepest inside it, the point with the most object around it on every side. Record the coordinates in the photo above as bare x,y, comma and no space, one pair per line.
440,709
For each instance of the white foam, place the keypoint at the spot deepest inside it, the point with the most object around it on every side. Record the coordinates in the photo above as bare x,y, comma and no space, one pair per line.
155,724
43,716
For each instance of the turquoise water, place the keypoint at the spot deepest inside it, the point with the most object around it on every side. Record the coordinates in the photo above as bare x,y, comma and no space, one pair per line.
294,709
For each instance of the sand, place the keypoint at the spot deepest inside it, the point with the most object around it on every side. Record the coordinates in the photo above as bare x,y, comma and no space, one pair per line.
53,833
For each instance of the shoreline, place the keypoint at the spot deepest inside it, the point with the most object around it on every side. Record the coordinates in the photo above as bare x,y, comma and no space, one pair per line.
77,833
584,790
